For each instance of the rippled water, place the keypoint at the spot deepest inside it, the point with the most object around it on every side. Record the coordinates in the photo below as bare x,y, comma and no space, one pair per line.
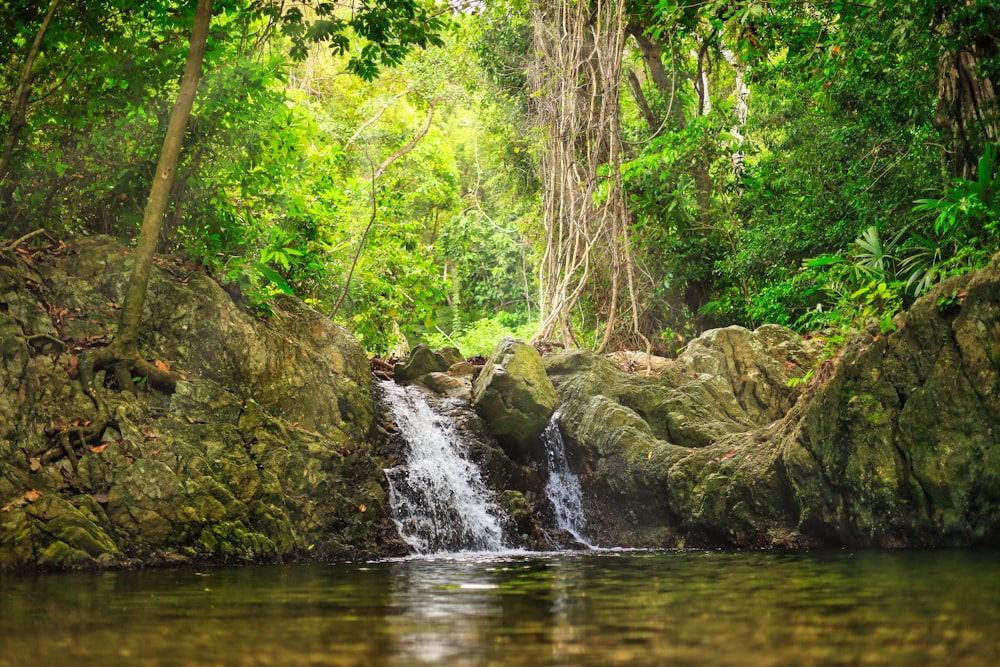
618,608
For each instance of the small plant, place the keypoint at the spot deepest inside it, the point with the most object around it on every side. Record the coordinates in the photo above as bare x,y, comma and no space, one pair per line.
794,382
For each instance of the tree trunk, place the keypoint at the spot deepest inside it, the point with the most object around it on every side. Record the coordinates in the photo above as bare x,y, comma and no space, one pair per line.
19,108
123,354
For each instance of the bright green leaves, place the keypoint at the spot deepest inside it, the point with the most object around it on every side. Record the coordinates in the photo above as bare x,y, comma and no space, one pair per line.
379,34
974,205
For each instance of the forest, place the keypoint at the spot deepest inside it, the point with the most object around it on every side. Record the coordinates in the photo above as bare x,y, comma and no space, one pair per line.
611,175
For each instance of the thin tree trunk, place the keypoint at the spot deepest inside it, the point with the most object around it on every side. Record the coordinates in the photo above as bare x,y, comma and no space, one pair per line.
408,147
19,109
652,122
126,339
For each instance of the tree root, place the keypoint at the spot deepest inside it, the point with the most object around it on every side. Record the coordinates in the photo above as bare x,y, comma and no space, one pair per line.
89,434
10,245
125,367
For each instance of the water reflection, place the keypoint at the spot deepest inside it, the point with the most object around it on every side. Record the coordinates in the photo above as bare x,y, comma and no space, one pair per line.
876,608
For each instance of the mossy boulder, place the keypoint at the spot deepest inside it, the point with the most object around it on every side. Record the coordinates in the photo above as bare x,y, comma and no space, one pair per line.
515,398
265,451
626,431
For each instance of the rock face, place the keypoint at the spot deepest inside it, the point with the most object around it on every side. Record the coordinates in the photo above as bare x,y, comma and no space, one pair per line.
515,398
269,449
627,430
263,453
896,444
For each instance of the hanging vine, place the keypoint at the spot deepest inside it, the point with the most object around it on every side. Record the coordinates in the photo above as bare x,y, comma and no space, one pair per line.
575,76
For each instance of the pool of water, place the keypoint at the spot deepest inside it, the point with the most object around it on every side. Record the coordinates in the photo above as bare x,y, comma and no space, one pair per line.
607,608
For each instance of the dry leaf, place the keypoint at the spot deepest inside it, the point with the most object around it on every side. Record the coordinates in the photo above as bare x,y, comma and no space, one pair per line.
649,455
97,449
162,366
100,497
34,464
362,508
32,495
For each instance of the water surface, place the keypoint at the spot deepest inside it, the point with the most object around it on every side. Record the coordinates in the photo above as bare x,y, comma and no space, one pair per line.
610,608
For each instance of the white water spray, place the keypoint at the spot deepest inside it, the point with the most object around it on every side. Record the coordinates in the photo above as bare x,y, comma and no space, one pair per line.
563,487
438,498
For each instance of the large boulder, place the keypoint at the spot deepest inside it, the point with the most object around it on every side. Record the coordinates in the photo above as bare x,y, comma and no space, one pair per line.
421,361
515,398
262,453
625,431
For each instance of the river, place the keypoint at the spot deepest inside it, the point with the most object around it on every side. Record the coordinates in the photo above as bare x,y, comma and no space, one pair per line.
588,608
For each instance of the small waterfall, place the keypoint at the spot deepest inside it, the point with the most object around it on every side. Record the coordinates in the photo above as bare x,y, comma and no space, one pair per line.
438,499
563,487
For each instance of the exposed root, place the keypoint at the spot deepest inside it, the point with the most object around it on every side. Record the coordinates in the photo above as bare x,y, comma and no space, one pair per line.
72,438
10,245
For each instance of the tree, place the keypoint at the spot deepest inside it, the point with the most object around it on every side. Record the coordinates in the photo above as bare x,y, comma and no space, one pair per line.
401,24
19,107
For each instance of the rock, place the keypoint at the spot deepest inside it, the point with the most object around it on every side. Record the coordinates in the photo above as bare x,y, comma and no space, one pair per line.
515,398
448,385
897,446
626,431
420,362
462,369
450,355
262,454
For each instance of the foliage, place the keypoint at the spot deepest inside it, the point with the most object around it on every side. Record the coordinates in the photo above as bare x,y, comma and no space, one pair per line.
481,337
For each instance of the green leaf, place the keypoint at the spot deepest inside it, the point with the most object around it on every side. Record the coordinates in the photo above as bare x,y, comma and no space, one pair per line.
274,277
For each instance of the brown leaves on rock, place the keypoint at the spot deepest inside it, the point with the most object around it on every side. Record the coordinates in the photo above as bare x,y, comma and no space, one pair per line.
28,496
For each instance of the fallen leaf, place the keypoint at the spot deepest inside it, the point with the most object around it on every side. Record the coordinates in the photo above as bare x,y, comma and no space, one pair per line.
97,449
32,495
100,497
162,366
649,455
362,508
35,464
727,456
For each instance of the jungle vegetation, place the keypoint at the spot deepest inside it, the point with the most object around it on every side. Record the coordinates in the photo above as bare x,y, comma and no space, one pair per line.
589,173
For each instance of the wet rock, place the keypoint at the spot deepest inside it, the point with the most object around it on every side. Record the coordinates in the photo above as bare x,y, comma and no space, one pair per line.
625,431
448,385
515,398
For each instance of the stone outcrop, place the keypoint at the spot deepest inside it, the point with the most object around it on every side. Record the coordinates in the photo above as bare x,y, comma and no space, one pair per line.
894,443
263,452
628,430
515,398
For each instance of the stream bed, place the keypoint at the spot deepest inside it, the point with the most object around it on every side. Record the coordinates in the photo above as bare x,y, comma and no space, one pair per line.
585,608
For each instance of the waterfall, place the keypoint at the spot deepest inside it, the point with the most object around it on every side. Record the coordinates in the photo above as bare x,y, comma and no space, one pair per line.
563,487
438,499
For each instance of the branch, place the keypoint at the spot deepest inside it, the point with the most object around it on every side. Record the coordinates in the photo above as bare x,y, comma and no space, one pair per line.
19,109
374,118
357,254
408,147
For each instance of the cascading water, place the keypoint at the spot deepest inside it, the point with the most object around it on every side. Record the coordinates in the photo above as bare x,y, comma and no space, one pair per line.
438,499
563,487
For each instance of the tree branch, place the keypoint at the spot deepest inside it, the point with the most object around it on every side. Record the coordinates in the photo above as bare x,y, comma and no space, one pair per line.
19,110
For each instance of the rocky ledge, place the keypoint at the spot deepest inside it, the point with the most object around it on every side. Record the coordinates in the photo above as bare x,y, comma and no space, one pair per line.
264,452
